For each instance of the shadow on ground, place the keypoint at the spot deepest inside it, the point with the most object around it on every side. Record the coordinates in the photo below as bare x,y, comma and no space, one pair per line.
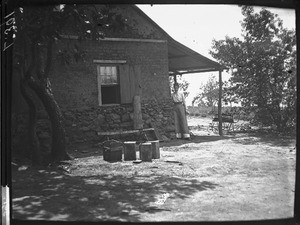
250,137
85,150
55,195
195,139
265,137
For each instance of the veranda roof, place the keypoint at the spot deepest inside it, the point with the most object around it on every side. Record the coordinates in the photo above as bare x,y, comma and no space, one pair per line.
183,60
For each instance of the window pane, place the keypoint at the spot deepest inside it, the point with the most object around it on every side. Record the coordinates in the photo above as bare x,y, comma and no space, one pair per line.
110,94
114,74
107,70
114,71
105,79
108,75
102,70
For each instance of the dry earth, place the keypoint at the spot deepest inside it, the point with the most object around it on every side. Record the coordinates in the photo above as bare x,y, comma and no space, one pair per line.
241,176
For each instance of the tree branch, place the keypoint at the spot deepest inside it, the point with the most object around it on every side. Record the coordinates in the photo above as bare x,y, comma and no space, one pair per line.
39,62
49,58
33,62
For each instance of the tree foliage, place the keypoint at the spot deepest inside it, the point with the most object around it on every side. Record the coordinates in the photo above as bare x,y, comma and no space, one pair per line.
37,30
208,93
183,85
263,67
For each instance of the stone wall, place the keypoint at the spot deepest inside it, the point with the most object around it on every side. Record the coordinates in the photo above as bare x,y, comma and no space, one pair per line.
82,125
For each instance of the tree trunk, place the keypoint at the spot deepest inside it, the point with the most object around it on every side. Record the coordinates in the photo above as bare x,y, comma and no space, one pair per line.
279,122
33,141
275,113
43,90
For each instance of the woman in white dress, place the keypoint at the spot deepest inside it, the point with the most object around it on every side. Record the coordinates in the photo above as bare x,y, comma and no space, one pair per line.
181,126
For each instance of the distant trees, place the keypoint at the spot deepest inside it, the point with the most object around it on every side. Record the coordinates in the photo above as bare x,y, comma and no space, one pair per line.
208,93
183,85
263,67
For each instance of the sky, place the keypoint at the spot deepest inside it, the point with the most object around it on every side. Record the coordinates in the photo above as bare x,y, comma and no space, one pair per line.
196,26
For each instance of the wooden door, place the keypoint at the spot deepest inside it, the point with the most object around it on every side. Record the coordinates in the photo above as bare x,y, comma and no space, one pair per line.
130,82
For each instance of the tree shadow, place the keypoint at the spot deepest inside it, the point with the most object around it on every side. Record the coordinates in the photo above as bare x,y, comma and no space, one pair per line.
266,137
55,195
88,150
82,150
195,139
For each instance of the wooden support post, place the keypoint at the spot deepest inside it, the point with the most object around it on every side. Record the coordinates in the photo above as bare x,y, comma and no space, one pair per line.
175,78
137,113
220,104
129,150
155,149
146,152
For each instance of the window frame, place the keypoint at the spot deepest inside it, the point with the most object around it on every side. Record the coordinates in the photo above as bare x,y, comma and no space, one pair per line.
100,85
117,64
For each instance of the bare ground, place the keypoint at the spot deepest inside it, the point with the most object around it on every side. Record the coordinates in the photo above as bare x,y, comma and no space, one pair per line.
241,176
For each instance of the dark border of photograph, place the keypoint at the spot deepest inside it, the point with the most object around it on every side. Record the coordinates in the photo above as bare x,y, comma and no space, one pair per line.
7,7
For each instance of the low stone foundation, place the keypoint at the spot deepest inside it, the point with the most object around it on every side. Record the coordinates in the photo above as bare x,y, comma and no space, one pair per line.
83,124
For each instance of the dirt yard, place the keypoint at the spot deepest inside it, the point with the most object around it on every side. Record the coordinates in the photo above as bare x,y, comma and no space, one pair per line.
241,176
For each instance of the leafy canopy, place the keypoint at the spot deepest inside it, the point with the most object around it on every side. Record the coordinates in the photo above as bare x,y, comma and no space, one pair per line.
208,93
262,65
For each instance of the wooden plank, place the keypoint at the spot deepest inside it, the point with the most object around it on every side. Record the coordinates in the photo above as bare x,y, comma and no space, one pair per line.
99,85
125,84
134,40
132,81
75,37
137,77
109,61
220,104
123,132
134,78
137,113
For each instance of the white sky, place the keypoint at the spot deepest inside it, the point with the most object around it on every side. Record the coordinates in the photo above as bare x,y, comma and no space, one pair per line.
196,26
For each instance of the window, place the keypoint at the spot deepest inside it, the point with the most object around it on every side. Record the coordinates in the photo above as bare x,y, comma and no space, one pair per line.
117,81
108,84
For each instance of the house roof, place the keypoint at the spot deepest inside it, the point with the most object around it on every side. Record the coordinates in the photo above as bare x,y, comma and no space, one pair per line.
183,60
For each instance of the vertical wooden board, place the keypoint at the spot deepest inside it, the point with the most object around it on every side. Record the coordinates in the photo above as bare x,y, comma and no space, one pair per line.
99,85
137,78
125,84
220,104
137,113
132,81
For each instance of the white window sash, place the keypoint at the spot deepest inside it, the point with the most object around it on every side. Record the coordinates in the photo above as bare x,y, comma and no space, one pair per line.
103,71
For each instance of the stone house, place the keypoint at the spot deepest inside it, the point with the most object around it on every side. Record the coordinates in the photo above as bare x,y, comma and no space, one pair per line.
96,94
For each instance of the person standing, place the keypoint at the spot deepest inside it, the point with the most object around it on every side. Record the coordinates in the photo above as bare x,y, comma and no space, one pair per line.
181,126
